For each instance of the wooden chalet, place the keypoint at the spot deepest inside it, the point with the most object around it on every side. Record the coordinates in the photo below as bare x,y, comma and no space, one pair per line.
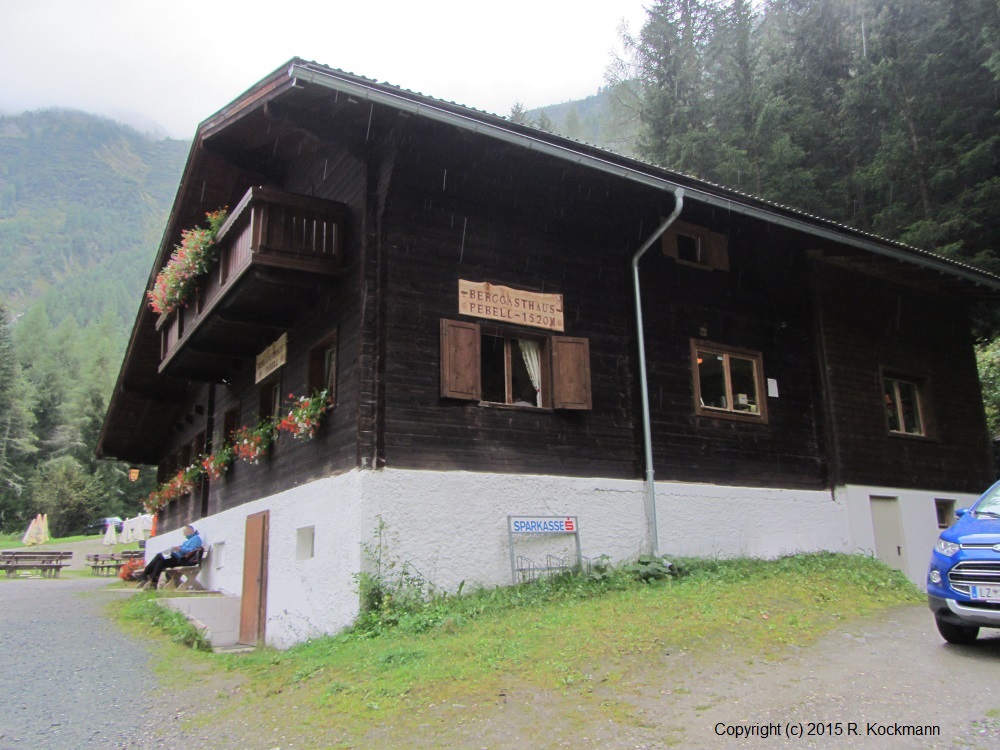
469,291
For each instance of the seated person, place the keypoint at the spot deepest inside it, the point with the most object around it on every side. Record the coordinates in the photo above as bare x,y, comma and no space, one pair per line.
174,557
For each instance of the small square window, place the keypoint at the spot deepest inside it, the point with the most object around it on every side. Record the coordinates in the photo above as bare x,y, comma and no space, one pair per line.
305,543
696,246
945,510
903,411
688,248
727,382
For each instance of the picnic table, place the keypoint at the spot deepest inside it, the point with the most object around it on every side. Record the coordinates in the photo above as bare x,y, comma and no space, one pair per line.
45,562
109,563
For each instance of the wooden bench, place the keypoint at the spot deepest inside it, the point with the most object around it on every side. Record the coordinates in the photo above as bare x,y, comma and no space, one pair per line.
104,564
44,562
185,577
111,563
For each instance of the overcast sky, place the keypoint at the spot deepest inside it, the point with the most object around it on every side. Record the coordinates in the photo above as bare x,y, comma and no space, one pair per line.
177,62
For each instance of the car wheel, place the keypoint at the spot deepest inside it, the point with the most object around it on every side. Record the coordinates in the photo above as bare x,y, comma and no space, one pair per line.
961,635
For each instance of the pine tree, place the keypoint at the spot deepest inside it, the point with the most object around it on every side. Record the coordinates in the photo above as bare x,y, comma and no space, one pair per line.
670,60
518,114
17,441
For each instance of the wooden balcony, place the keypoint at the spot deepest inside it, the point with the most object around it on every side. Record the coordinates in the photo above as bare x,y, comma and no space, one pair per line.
276,252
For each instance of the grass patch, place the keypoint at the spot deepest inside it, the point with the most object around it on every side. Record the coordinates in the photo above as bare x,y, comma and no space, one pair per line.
13,541
407,667
143,608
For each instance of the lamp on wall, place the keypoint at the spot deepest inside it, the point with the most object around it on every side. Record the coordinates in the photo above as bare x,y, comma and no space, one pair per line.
133,474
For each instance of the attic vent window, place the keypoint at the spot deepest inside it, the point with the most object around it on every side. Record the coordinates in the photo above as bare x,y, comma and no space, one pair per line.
688,248
692,245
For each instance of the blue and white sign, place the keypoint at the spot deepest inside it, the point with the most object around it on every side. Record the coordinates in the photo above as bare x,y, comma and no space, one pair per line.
542,524
536,528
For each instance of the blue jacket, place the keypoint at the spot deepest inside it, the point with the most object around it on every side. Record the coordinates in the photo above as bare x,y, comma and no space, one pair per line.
190,544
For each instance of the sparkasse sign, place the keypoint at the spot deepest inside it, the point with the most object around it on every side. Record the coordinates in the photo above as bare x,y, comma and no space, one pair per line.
542,524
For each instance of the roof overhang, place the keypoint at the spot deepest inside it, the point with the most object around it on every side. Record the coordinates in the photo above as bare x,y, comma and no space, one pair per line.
608,162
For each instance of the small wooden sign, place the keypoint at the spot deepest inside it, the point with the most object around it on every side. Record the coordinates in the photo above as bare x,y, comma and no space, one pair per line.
272,358
485,300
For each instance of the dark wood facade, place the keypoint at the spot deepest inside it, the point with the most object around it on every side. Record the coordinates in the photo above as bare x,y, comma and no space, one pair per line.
428,201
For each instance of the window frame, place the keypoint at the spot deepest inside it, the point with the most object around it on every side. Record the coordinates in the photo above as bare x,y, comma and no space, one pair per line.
760,382
268,408
919,385
509,336
318,375
230,422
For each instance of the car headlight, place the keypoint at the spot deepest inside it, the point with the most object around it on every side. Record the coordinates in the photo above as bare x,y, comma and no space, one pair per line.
947,548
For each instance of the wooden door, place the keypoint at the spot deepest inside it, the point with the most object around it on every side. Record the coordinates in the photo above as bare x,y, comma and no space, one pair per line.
253,607
888,533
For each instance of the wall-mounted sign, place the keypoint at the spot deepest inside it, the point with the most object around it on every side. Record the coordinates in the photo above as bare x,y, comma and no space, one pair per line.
485,300
537,529
272,358
542,524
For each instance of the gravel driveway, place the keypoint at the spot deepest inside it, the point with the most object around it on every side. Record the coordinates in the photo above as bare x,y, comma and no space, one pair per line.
72,680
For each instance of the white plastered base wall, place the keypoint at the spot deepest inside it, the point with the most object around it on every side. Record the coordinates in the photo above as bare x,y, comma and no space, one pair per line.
451,527
917,519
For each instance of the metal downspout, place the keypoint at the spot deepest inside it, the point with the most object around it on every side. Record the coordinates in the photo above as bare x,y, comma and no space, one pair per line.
647,438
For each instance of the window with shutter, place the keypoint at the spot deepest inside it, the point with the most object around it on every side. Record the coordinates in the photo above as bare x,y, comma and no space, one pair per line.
514,368
696,246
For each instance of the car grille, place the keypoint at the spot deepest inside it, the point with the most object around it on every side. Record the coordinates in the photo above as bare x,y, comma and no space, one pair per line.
974,573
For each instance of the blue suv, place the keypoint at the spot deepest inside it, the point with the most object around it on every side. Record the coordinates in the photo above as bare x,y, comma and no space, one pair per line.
963,583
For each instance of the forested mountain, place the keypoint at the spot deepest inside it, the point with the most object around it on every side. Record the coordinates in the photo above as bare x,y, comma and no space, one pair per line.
82,205
83,201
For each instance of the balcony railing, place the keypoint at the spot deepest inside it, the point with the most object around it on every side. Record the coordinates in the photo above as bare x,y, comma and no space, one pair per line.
273,246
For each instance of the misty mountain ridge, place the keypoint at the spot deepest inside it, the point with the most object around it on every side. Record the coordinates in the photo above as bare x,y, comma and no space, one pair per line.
83,200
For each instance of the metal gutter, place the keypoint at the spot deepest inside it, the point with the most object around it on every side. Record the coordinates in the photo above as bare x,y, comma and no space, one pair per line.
772,214
647,437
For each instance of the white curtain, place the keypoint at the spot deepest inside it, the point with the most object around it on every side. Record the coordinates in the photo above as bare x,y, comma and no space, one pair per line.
532,354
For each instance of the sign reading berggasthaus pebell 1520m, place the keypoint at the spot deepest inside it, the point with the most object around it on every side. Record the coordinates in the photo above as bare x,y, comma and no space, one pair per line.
272,358
481,299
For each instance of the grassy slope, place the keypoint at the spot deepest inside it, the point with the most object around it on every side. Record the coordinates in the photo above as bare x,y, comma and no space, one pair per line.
576,648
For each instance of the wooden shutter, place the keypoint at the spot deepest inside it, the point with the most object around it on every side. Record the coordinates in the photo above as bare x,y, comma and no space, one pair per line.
570,373
460,376
717,251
